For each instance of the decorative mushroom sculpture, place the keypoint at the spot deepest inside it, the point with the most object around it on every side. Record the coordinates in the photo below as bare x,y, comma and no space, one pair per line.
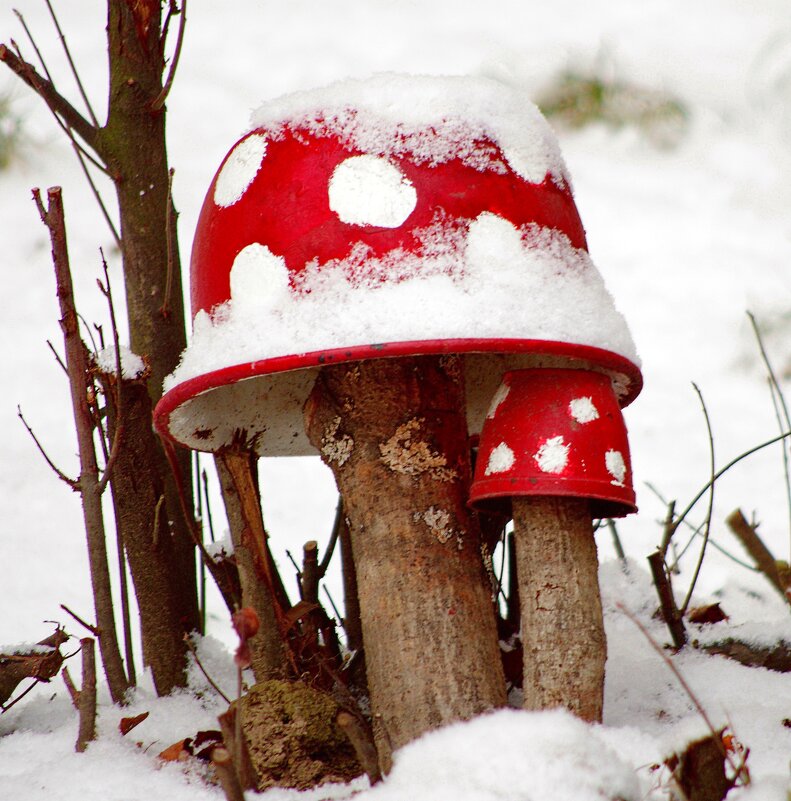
379,254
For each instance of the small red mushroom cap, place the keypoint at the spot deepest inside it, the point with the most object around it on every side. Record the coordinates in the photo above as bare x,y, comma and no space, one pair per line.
551,432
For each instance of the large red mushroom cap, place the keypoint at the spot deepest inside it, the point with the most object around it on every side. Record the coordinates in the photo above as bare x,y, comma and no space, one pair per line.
394,216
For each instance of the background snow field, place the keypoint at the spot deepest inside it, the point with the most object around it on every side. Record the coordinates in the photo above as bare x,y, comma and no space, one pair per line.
687,235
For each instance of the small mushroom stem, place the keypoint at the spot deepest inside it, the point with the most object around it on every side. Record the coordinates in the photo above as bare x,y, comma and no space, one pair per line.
562,624
394,433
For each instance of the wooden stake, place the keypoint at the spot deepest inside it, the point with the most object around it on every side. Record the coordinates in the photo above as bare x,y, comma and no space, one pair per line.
394,433
87,697
361,738
562,623
261,587
223,765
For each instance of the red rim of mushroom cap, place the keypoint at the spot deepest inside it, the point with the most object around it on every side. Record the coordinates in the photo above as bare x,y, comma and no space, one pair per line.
269,211
553,432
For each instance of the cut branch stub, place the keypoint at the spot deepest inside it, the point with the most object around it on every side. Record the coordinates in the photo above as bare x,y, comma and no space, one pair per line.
554,450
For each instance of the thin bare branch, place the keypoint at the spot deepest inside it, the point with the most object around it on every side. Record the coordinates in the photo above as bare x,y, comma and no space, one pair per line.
219,692
63,110
336,530
695,532
737,770
87,707
81,157
159,101
6,707
119,428
709,510
83,623
57,357
667,601
723,470
74,71
779,402
338,615
34,45
170,213
73,483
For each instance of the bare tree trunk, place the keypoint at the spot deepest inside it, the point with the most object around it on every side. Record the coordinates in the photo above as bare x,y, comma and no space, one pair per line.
237,474
148,540
133,144
562,625
394,433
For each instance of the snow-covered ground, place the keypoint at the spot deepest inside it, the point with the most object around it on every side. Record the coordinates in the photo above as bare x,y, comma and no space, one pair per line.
688,239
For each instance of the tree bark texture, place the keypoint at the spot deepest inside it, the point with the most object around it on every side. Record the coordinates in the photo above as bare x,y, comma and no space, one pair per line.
150,544
562,624
237,474
394,433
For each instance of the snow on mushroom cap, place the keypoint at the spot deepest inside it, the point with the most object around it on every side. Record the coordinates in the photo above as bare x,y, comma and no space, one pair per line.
239,170
435,119
531,281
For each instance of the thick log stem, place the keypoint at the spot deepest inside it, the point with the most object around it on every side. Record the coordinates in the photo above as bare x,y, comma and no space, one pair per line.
562,625
394,434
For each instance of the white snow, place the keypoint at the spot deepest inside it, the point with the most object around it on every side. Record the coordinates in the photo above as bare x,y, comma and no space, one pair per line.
431,118
239,170
370,190
616,466
511,756
132,365
583,410
500,460
259,280
686,239
553,455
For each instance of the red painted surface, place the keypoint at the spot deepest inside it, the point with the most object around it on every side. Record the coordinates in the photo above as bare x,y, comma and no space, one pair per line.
287,209
534,414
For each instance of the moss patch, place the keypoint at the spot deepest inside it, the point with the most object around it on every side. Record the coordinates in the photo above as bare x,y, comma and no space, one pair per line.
292,736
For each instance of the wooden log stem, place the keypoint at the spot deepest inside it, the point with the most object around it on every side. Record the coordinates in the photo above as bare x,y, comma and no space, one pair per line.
394,433
562,623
